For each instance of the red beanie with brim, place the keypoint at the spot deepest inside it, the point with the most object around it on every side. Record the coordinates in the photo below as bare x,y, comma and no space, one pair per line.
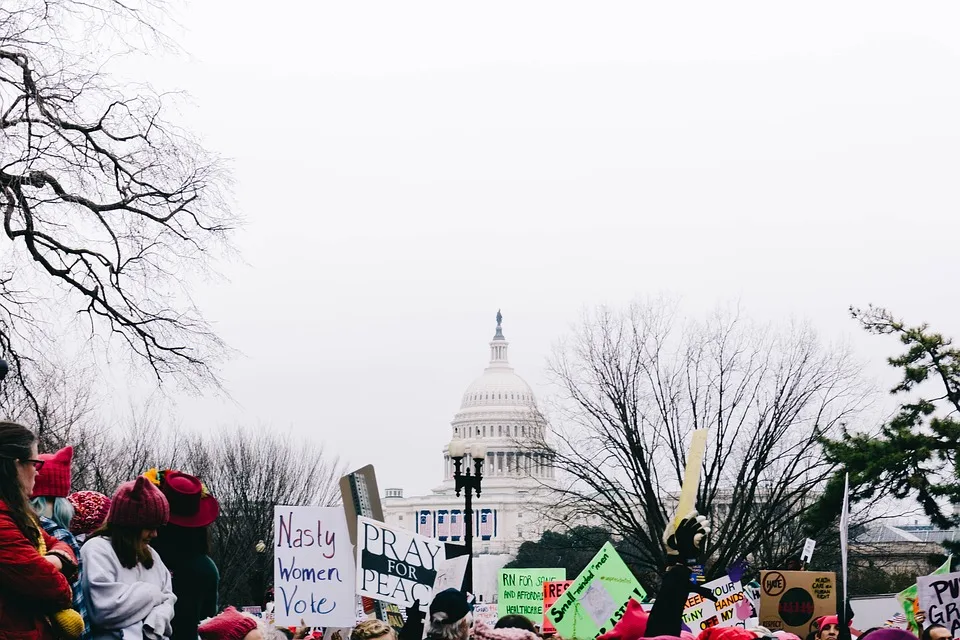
632,625
229,625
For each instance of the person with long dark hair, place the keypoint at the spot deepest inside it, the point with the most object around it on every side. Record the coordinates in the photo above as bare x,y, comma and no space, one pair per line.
184,545
35,568
127,587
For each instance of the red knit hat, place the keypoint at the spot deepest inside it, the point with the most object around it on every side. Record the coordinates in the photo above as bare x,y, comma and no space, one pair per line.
139,504
727,633
53,480
632,625
229,625
91,509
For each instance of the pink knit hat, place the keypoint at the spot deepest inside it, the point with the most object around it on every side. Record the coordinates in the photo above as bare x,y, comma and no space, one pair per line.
53,480
483,632
139,504
229,625
91,509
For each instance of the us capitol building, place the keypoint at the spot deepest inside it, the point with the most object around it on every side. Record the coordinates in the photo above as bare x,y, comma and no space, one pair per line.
497,415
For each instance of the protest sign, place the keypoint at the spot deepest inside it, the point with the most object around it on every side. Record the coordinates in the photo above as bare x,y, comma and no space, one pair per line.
486,613
361,497
452,571
790,600
691,475
940,597
808,548
597,599
731,609
910,602
395,565
313,567
520,591
844,534
552,591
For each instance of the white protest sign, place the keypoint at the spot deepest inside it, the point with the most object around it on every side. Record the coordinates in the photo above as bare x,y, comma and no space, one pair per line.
450,573
731,609
844,546
940,598
808,548
396,565
485,613
313,567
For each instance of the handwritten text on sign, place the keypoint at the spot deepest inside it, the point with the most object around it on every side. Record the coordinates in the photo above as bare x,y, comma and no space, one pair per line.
940,597
313,571
520,591
395,565
731,608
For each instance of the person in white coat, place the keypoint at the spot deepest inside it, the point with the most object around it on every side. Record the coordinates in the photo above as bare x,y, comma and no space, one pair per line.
127,588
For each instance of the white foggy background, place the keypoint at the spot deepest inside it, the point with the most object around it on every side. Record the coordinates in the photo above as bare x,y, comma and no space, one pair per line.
406,169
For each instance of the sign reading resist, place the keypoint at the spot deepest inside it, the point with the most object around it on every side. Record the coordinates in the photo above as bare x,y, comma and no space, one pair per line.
395,565
313,567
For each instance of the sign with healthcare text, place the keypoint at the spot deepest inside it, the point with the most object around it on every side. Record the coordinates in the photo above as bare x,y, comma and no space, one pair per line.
731,609
520,591
791,600
313,571
395,565
597,599
940,598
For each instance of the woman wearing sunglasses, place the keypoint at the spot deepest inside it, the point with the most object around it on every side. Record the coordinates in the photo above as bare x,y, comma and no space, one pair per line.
35,569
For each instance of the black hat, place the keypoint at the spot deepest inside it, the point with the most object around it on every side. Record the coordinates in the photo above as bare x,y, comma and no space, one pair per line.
451,602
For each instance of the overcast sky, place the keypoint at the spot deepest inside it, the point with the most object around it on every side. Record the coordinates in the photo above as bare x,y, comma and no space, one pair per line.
407,168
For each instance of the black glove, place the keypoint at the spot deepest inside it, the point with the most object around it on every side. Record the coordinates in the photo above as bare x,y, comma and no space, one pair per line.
413,627
685,544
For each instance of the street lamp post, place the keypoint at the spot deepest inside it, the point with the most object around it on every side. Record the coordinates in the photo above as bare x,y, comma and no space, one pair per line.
470,482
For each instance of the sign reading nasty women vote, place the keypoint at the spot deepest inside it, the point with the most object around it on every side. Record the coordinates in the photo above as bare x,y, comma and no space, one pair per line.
313,567
395,565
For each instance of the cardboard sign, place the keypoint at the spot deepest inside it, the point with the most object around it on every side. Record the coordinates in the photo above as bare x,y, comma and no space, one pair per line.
691,475
313,567
808,548
732,608
940,597
597,599
791,600
361,497
520,591
395,565
551,593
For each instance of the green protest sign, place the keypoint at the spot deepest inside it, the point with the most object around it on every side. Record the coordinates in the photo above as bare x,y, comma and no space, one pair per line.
909,600
520,591
597,599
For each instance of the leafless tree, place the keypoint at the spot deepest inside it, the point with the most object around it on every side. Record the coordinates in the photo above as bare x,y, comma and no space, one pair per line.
635,384
250,472
108,208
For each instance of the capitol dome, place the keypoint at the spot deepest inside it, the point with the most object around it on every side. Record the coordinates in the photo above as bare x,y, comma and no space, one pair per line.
499,419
